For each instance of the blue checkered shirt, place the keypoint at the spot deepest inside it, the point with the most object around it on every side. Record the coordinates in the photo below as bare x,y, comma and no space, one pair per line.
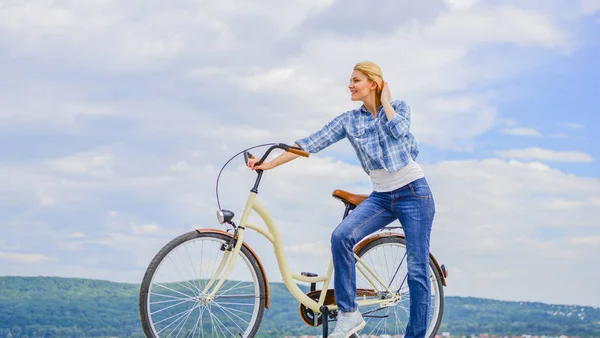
379,143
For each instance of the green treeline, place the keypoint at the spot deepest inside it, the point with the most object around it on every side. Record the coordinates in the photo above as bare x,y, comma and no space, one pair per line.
68,307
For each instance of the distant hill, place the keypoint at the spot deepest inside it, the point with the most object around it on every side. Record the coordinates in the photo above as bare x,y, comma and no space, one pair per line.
69,307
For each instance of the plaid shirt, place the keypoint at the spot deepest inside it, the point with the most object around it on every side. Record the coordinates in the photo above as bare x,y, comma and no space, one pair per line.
379,143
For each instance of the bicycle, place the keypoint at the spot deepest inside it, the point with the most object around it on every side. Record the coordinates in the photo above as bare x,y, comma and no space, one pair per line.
221,288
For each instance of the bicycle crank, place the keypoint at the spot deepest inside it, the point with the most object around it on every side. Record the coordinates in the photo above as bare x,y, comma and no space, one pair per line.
308,315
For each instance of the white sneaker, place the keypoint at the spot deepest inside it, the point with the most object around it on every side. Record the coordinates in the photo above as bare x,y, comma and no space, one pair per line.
348,324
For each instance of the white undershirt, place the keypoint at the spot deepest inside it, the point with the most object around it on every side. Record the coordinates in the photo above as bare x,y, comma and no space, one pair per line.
384,181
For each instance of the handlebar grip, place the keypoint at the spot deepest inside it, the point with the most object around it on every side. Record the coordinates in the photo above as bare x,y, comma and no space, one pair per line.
247,156
298,152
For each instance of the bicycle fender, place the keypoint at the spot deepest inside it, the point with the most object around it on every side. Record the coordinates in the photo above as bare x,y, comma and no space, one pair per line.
370,239
262,269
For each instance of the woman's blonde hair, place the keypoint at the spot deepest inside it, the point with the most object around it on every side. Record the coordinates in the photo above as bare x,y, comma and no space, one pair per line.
373,73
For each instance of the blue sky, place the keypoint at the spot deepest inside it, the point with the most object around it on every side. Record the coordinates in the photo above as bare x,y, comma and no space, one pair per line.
117,116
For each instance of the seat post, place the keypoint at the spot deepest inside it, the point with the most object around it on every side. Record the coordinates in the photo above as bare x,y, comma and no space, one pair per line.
348,208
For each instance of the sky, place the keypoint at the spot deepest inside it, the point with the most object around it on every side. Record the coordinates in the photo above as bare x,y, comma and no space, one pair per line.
116,117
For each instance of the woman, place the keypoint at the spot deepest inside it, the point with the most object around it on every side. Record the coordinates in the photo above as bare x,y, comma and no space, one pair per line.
380,133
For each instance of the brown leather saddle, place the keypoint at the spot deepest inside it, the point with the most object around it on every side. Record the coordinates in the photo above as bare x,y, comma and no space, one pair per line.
350,200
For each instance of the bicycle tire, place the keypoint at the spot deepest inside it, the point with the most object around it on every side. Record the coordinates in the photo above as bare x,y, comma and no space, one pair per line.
245,255
438,315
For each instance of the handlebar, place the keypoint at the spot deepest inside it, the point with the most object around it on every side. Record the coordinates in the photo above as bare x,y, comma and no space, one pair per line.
247,156
283,146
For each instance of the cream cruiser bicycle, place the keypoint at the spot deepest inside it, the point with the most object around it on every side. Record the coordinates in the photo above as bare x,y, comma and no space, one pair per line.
210,283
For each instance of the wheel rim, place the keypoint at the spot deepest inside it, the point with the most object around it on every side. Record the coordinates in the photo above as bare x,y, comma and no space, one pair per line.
176,305
388,261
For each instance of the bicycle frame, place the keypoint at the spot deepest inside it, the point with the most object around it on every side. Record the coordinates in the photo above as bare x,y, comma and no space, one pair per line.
289,278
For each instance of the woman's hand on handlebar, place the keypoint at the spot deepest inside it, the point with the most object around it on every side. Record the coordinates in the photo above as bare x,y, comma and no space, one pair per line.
289,154
266,165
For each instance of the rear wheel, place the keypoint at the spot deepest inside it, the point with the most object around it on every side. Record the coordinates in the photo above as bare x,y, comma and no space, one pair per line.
387,257
173,299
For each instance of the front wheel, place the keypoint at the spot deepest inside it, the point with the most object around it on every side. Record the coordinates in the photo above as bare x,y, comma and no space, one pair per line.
174,300
387,257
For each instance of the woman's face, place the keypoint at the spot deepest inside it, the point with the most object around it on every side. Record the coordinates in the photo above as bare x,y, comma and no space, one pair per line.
360,86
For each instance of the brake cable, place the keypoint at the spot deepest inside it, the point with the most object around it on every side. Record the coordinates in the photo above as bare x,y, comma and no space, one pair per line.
226,163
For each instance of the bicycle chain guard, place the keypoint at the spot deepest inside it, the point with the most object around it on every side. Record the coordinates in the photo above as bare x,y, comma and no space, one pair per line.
308,316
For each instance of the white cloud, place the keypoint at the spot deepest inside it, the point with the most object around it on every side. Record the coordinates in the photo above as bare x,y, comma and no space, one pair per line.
493,216
117,35
571,204
492,211
540,154
317,250
145,229
589,240
590,6
22,257
439,63
160,96
560,135
508,122
575,126
460,4
307,81
488,25
93,164
520,132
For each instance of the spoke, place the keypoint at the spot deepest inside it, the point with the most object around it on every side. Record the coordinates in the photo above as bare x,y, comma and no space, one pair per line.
368,319
158,294
168,307
388,261
375,328
197,284
231,319
396,322
238,304
201,268
241,287
236,310
215,265
229,281
175,315
211,321
182,324
201,321
196,325
387,266
402,326
230,311
168,288
373,266
402,284
169,301
183,314
371,311
406,308
384,322
172,308
395,273
238,296
188,285
217,319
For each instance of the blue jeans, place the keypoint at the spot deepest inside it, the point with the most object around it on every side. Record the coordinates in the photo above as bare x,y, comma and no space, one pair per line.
414,207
